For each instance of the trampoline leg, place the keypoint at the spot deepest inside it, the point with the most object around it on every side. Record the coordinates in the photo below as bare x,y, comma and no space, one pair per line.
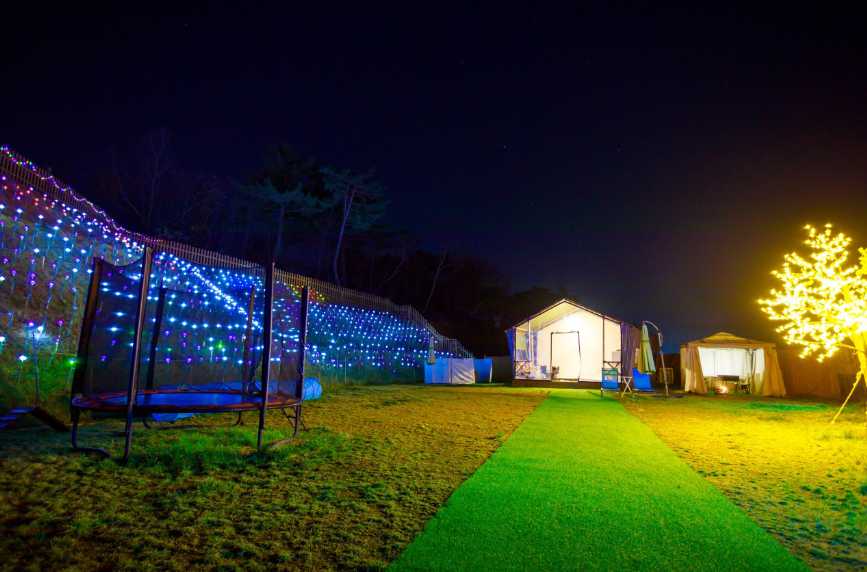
299,420
261,429
127,438
239,420
75,413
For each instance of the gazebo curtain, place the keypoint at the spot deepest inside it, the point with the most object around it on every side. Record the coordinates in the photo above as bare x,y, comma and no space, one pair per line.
772,380
690,370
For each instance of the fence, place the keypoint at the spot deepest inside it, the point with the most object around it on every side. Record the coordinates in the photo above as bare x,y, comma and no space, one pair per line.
48,234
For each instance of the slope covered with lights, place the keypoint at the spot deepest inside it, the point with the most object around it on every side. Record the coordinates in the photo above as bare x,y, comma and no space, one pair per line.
48,237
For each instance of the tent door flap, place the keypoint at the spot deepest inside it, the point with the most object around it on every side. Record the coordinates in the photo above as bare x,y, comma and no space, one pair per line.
565,358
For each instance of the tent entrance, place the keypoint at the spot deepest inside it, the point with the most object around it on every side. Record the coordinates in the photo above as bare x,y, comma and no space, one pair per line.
565,358
724,365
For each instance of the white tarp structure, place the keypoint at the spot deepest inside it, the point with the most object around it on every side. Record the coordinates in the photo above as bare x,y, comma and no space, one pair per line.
755,364
567,342
450,370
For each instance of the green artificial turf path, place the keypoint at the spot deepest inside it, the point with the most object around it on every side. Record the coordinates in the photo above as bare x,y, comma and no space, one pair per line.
582,484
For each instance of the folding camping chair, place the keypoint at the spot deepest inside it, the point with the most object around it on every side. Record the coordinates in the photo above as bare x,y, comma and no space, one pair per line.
610,382
641,382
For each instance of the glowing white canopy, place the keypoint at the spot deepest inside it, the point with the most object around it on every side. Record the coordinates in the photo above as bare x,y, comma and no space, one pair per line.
724,354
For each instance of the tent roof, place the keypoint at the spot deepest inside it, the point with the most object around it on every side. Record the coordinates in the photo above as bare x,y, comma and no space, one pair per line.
557,310
727,339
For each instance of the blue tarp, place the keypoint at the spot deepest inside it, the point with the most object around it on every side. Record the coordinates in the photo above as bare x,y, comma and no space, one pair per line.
312,389
484,369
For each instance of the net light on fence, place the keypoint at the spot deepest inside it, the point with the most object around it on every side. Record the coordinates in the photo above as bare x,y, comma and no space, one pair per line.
68,231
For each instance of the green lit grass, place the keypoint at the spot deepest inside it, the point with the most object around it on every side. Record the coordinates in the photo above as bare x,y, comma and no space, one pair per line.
582,484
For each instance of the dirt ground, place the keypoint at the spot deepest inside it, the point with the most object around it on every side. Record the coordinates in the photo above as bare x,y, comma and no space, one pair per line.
798,477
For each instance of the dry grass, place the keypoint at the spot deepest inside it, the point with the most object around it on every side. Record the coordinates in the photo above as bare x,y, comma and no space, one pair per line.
352,492
799,478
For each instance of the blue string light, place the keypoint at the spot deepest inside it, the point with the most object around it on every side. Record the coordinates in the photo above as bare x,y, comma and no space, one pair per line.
46,247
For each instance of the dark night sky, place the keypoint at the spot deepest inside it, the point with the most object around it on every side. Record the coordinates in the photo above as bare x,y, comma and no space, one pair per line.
655,164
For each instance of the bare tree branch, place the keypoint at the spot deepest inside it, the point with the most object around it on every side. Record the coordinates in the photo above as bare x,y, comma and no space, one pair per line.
435,279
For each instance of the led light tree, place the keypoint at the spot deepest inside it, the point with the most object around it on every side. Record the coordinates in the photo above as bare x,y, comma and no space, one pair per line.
822,302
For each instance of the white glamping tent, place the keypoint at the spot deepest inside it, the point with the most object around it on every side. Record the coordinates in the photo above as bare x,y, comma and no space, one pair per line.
569,342
709,363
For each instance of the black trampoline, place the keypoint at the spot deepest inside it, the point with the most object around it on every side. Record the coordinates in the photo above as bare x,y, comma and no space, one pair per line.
183,332
180,401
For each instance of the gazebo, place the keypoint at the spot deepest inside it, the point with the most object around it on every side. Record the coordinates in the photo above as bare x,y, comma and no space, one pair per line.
724,358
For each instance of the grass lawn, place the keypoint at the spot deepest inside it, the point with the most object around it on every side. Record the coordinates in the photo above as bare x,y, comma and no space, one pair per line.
801,479
582,484
352,492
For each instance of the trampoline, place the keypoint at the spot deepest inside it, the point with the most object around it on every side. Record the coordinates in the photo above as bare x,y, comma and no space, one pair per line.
176,334
151,401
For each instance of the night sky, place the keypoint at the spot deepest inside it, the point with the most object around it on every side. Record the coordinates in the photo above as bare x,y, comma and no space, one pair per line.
656,165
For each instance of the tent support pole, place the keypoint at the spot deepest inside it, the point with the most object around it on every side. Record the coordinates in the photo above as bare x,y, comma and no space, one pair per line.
551,356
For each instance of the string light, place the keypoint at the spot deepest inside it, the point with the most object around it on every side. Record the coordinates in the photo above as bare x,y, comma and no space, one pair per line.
822,302
47,245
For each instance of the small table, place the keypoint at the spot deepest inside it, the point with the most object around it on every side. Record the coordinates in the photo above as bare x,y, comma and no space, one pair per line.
626,380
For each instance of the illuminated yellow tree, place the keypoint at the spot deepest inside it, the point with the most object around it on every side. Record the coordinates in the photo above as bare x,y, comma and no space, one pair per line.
822,303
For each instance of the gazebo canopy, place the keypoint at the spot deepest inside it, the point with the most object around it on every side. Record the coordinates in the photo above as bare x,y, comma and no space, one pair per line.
725,339
726,353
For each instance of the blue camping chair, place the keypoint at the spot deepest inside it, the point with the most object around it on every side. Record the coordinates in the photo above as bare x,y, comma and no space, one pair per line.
641,382
610,382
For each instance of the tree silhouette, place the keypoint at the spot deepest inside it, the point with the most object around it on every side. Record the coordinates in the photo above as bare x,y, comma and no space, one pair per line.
362,204
287,193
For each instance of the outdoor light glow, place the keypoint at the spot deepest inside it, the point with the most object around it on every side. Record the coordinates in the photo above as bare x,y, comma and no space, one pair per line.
822,302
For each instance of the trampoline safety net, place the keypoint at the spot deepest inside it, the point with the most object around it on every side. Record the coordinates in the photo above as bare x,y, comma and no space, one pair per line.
201,331
105,366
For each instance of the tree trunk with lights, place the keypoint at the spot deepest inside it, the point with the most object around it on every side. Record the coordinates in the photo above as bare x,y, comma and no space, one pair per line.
860,342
